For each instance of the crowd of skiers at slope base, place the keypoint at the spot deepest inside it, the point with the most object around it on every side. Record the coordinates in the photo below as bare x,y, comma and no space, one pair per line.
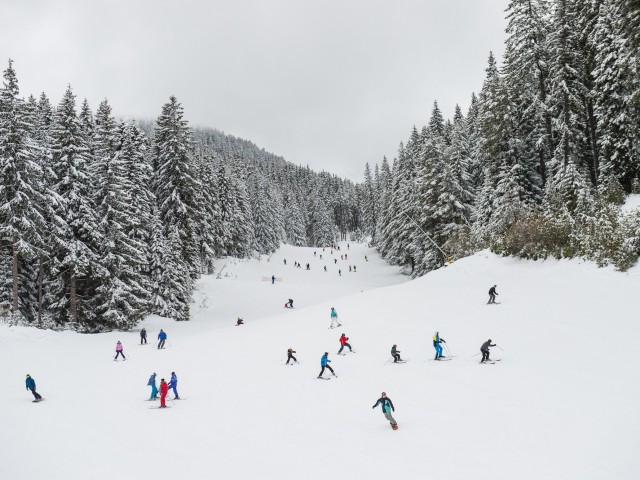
384,401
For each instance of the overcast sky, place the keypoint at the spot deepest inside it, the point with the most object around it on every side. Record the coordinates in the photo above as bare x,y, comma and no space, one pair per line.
331,84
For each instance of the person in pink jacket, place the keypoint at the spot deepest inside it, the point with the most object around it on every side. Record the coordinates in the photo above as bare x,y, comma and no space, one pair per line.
119,351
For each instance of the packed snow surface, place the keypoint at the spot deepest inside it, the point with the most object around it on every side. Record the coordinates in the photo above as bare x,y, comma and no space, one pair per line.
561,404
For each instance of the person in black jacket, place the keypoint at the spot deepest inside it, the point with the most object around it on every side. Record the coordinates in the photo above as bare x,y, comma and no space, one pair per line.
387,408
492,295
485,350
290,356
143,336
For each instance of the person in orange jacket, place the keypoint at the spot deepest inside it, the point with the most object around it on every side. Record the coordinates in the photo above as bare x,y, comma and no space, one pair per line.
164,390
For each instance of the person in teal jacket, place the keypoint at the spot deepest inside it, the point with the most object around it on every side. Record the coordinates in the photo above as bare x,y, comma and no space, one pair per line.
152,384
31,386
387,408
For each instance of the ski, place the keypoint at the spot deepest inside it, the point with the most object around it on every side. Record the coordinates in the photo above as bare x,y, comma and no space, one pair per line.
443,359
37,401
401,361
323,378
160,407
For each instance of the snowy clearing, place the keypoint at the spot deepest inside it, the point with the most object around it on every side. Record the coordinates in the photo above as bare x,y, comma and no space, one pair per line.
562,403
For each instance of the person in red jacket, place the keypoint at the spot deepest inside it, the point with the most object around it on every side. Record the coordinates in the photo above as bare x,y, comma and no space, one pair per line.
344,343
164,390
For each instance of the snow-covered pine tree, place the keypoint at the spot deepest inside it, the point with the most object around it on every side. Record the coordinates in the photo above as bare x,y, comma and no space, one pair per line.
615,83
21,221
75,235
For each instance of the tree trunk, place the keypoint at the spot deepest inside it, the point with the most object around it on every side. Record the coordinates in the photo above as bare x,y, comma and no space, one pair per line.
73,302
14,271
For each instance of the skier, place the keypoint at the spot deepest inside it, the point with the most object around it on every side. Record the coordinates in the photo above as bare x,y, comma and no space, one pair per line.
308,267
162,336
119,351
395,353
31,386
289,304
290,356
164,390
152,383
366,259
241,321
341,257
173,384
485,350
492,295
349,267
314,254
339,272
354,269
334,318
143,336
324,363
347,246
345,257
325,268
344,343
285,261
335,260
436,344
387,408
273,279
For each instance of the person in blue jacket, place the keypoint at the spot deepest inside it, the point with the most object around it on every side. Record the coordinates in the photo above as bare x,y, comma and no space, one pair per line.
31,385
436,344
324,363
162,336
152,384
173,383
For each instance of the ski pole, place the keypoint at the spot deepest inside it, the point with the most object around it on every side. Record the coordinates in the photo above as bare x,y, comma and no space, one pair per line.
499,347
476,354
448,351
386,361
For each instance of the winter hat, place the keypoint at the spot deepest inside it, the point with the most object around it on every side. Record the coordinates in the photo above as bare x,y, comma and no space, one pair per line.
489,340
383,394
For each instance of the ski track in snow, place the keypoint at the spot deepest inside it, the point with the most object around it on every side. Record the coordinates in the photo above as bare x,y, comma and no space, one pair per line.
562,403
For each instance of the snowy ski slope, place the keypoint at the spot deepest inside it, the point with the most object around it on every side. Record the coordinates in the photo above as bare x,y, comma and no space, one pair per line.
562,403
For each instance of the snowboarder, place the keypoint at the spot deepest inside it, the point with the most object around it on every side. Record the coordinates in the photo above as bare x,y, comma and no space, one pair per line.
387,408
273,279
152,383
119,351
436,344
241,321
395,353
334,318
485,350
324,363
31,386
289,304
492,295
173,384
164,390
162,336
143,336
344,342
290,356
